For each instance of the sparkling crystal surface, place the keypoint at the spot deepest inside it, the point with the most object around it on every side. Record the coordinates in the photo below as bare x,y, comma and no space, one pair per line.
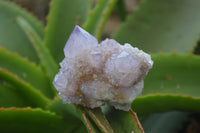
93,74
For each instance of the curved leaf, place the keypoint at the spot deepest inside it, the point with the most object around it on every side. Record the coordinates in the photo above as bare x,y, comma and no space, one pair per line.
35,98
100,120
172,83
93,119
163,25
124,122
26,71
87,122
9,97
21,120
63,16
165,102
11,36
98,17
45,58
73,114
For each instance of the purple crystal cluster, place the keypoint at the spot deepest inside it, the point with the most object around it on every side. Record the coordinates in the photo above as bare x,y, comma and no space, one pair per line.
93,74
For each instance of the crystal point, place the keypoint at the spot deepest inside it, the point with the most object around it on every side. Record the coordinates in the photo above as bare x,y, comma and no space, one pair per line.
79,40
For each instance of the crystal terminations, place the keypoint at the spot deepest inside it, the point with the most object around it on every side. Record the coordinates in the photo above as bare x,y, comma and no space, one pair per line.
93,74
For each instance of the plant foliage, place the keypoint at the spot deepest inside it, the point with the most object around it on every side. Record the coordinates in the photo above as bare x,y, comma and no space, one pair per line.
30,53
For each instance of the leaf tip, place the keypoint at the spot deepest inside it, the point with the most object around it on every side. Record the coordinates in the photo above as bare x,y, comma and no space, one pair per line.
2,48
174,52
158,93
179,95
90,12
47,18
168,94
190,53
189,96
45,29
168,77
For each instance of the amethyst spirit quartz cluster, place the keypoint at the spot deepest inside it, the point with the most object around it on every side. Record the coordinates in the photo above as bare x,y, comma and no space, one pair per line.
108,73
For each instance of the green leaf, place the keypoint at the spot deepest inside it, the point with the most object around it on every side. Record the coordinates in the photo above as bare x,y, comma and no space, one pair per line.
74,115
21,120
11,36
26,71
165,102
32,95
91,127
99,119
98,17
172,83
63,16
43,53
162,25
177,74
9,97
169,122
124,122
121,8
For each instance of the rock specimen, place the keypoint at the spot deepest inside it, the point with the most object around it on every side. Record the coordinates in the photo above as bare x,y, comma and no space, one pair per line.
93,74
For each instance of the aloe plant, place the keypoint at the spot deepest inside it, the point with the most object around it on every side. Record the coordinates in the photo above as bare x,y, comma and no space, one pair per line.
30,53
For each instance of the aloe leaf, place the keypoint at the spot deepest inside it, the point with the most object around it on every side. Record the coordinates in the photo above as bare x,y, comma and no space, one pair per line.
26,71
63,16
21,120
43,53
124,122
172,83
11,36
89,124
9,97
121,8
74,114
163,25
165,102
35,97
98,17
169,122
174,73
93,119
99,119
